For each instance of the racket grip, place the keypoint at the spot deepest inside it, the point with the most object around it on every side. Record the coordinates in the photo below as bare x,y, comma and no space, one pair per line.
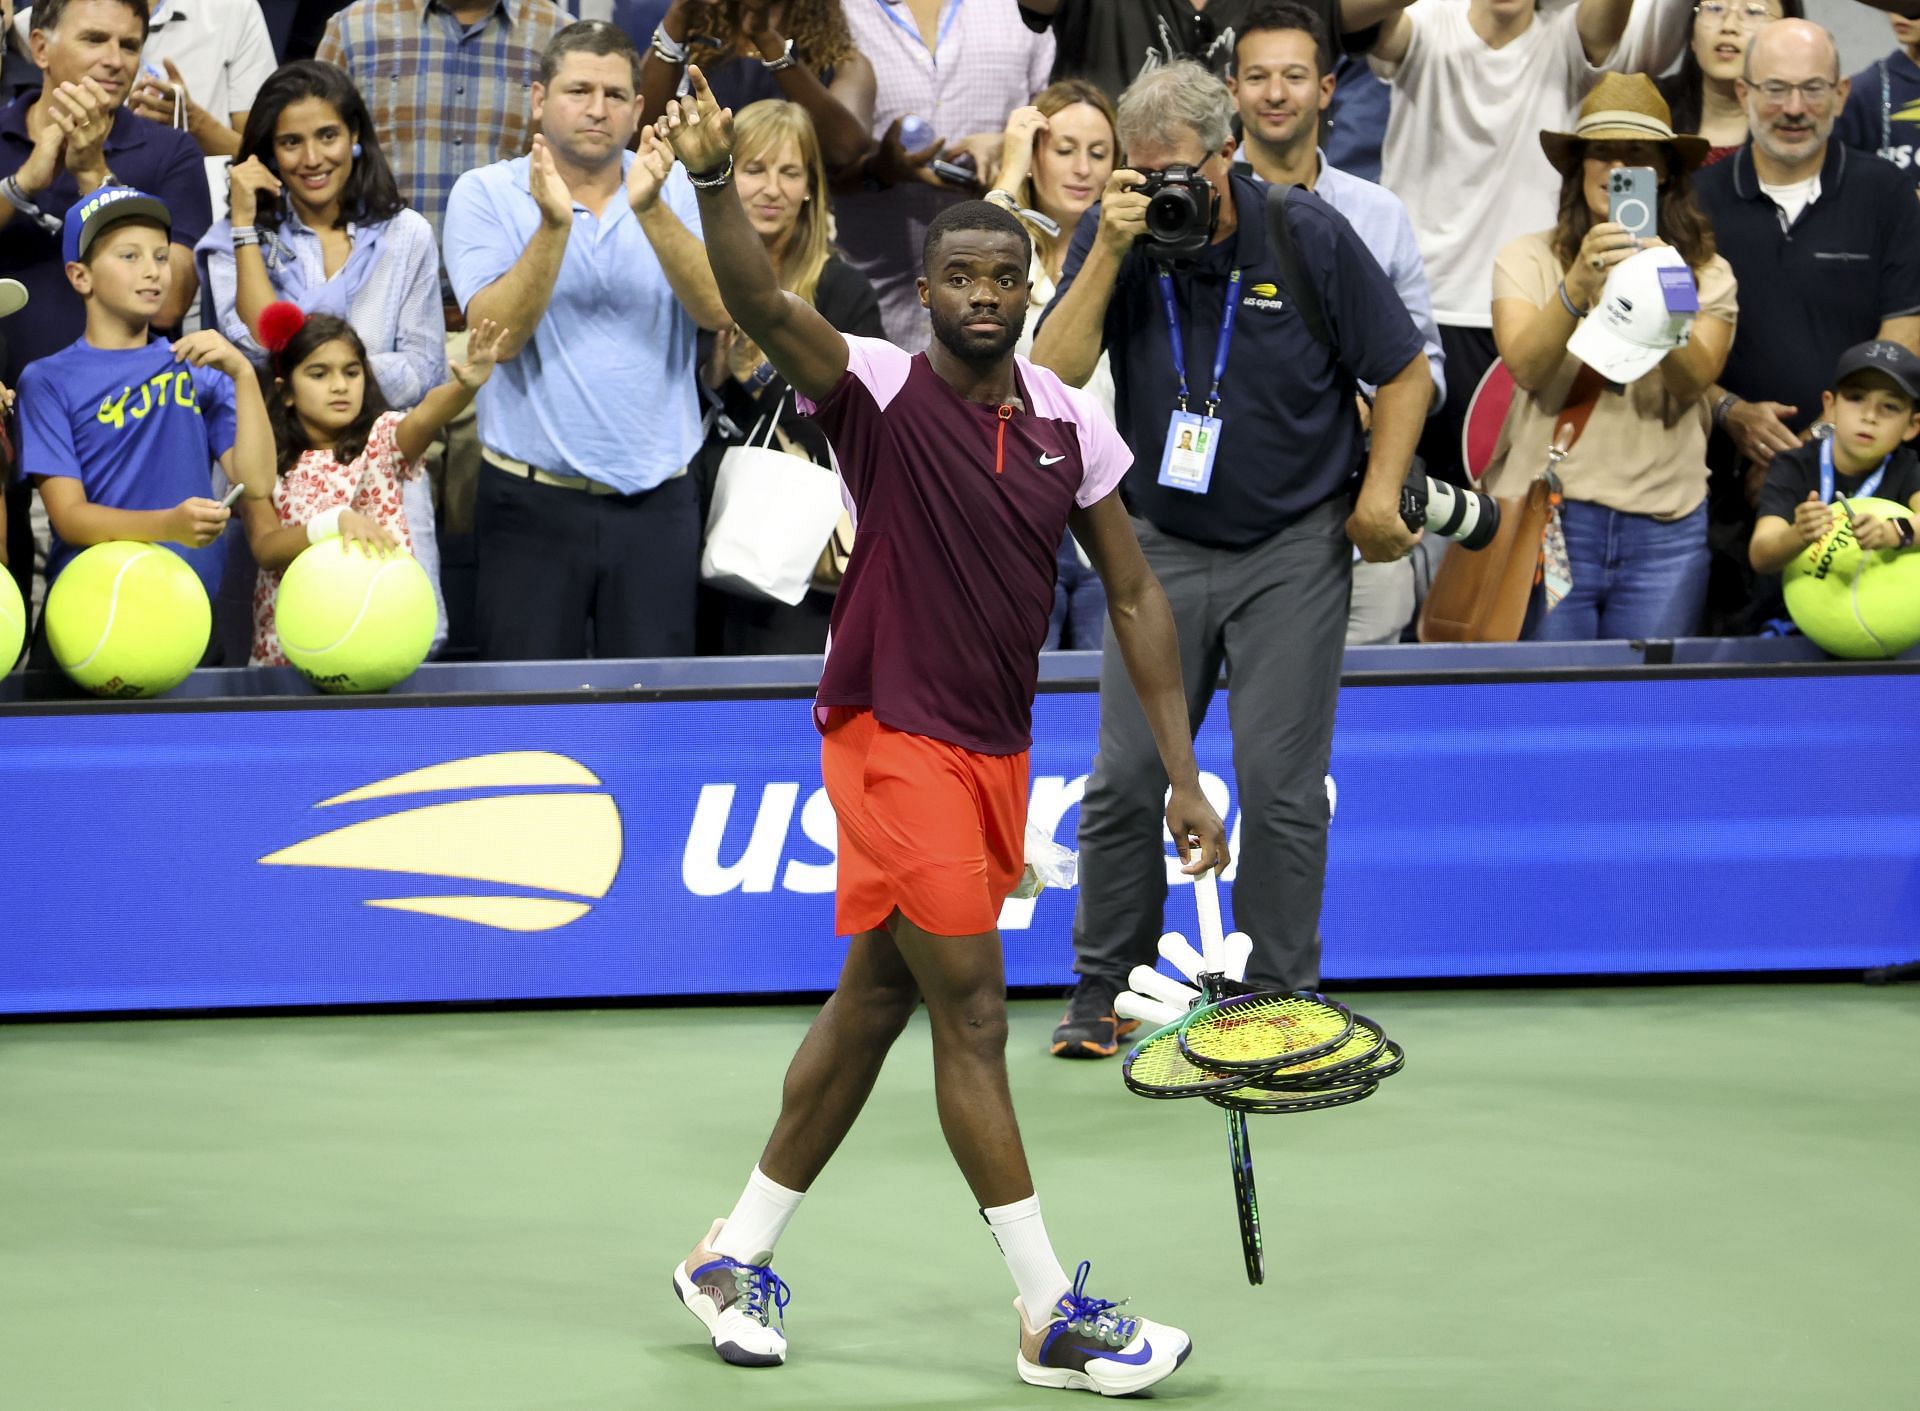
1239,952
1206,896
1147,981
1181,956
1158,1013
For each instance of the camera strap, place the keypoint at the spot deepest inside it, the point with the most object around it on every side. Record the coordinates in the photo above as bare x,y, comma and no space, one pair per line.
1293,274
1221,344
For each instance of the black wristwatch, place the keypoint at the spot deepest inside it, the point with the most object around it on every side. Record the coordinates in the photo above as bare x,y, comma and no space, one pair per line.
1904,528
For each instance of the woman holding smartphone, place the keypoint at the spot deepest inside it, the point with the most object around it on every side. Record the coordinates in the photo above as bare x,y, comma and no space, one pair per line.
1635,484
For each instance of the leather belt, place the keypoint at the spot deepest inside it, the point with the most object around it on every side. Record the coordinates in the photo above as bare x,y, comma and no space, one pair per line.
586,485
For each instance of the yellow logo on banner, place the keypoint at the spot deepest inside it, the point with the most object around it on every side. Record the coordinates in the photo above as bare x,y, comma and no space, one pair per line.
550,842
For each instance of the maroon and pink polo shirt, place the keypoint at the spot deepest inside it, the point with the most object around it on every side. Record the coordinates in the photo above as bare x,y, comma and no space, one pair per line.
960,508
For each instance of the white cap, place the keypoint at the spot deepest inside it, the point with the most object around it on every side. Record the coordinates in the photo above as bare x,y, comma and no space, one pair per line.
1645,312
13,297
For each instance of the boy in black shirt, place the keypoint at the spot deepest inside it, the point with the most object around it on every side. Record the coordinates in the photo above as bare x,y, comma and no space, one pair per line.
1871,409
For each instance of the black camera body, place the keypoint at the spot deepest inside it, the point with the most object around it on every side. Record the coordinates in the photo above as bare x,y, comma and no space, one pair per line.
1180,209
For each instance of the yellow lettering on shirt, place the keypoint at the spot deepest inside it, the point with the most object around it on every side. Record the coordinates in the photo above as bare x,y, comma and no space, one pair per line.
113,410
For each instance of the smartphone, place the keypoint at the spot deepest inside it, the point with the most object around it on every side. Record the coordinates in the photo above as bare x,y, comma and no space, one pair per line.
1633,200
958,173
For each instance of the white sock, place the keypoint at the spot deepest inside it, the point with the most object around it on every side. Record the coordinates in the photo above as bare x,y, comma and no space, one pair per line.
758,1220
1022,1237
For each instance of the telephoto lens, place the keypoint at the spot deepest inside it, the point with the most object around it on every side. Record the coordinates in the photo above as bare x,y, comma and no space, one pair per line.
1467,517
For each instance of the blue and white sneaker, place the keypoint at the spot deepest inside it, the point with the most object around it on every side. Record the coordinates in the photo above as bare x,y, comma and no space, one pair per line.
740,1305
1087,1346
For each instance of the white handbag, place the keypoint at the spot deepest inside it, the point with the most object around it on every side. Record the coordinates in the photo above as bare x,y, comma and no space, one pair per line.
772,515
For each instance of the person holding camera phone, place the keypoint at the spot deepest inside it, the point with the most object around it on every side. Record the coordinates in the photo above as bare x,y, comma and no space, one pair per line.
1634,516
1250,528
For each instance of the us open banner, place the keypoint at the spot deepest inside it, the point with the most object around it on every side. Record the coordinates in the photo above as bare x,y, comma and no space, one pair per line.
516,851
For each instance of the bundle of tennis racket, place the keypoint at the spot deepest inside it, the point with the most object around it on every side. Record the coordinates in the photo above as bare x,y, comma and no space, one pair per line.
1246,1050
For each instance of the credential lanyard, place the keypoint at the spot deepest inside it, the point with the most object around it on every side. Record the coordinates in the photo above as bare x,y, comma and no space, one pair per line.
1868,487
1220,347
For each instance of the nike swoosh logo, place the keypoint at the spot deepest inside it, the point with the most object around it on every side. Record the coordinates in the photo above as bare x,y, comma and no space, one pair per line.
1132,1359
1052,460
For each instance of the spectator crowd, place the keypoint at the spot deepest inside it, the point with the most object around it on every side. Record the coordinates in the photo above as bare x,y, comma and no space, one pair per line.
467,277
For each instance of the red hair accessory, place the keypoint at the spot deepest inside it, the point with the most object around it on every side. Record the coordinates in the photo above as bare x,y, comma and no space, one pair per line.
279,322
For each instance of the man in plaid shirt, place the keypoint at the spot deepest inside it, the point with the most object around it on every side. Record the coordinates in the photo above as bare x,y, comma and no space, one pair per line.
447,83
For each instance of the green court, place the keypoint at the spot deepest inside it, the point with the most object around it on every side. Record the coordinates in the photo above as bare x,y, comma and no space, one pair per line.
1683,1197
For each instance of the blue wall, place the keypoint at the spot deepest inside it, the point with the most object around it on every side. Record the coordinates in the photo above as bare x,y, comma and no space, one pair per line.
684,846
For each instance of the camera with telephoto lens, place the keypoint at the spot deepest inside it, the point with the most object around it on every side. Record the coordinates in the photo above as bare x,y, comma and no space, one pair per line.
1180,205
1467,517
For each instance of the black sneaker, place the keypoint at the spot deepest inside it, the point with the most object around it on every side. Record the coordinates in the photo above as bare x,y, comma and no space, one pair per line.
1090,1028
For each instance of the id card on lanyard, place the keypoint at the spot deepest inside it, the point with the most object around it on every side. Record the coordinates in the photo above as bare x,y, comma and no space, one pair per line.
1868,487
1193,441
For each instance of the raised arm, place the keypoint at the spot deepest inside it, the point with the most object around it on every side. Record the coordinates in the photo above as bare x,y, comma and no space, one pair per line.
1074,328
1396,30
806,350
518,299
683,259
1143,627
1601,23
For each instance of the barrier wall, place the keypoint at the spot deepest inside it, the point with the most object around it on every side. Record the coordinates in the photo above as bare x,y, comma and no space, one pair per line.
235,851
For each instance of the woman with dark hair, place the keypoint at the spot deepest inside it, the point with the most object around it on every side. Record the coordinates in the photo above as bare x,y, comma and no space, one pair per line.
1634,515
1701,94
754,50
316,219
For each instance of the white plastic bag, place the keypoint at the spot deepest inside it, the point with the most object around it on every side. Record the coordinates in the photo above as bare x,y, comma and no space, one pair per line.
1048,865
772,515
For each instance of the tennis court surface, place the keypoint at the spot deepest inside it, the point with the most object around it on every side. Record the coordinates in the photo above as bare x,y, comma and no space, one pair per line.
1635,1199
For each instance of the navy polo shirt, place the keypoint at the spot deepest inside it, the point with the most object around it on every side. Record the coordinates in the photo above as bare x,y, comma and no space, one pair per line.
141,154
1290,438
1810,293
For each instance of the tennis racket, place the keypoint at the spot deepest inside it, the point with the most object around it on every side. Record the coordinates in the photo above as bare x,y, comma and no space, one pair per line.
1362,1047
1265,1102
1251,1035
1155,1067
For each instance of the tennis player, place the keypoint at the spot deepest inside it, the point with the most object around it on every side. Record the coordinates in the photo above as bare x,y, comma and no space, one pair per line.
964,465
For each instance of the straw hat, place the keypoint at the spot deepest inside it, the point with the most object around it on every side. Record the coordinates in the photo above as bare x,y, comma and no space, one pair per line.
1622,108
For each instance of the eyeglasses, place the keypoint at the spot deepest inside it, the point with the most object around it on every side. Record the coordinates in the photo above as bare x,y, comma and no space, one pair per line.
1816,91
1751,15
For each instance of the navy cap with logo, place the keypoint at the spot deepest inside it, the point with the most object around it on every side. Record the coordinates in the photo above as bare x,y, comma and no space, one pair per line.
1891,361
90,216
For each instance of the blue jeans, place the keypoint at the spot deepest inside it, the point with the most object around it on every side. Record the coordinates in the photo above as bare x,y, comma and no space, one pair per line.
1079,619
1634,577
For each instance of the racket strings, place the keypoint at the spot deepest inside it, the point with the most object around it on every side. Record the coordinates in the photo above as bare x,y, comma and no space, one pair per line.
1264,1030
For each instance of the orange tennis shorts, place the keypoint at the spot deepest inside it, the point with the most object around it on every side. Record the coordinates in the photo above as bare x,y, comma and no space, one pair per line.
926,827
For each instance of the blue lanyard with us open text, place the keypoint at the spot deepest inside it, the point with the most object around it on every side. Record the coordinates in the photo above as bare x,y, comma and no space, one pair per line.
1193,440
1868,487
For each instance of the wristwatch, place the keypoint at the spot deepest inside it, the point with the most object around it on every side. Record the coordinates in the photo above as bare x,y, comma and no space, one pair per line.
785,61
1904,528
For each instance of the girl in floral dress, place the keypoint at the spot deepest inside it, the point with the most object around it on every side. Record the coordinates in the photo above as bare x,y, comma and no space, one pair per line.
343,455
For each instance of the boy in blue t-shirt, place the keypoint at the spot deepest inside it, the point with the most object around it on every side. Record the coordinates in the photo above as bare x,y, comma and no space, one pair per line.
119,432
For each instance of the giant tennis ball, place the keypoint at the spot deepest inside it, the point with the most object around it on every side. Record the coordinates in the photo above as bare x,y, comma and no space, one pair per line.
13,621
1857,603
127,620
352,621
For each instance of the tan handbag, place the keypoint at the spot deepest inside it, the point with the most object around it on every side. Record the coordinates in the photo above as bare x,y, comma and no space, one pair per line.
1482,596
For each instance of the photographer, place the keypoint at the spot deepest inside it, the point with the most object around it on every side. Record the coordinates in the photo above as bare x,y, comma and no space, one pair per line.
1245,527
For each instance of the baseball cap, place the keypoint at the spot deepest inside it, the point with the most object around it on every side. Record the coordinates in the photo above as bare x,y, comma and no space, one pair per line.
88,217
13,297
1889,360
1645,311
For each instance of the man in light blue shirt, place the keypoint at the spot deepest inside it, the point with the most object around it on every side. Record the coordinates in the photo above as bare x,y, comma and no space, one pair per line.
1281,85
586,520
